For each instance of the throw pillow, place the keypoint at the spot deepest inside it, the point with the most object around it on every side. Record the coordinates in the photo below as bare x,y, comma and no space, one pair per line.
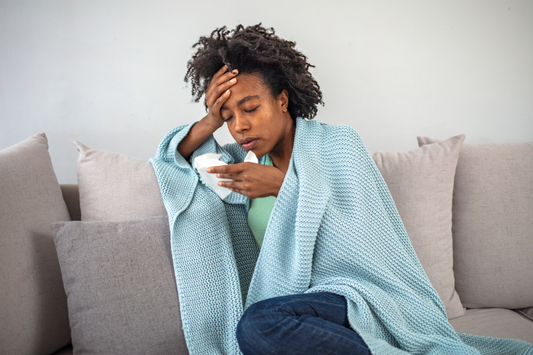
33,305
116,187
493,224
421,184
119,279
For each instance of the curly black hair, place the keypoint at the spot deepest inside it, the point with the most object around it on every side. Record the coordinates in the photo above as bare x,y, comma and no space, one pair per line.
256,50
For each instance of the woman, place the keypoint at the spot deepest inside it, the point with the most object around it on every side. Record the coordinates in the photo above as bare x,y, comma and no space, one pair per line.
336,273
253,100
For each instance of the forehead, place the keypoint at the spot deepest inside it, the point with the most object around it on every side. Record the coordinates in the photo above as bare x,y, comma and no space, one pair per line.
248,85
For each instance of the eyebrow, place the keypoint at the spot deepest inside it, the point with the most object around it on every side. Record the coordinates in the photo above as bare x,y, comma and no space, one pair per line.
243,100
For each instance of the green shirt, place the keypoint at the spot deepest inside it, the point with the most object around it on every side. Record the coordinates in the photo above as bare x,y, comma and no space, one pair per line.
259,212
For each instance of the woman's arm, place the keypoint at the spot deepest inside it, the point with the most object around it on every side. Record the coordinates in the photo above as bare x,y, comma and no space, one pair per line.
196,136
217,93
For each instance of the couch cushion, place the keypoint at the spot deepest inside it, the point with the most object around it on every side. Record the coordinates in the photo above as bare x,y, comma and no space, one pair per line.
421,184
494,322
67,350
119,279
526,312
71,195
33,305
493,225
116,187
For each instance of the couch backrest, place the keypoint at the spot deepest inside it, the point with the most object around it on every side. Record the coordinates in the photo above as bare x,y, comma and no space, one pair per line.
71,195
493,225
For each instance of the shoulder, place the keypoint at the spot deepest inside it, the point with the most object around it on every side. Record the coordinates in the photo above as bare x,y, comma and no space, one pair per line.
343,132
329,145
329,133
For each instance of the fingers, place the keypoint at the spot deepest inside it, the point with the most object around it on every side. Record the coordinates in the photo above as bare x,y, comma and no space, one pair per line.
221,81
220,87
217,105
249,179
235,186
220,72
226,169
242,188
232,176
229,184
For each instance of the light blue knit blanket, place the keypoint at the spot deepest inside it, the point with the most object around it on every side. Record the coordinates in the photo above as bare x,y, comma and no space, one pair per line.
334,228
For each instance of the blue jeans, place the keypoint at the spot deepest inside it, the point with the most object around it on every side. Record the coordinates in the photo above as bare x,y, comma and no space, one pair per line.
310,323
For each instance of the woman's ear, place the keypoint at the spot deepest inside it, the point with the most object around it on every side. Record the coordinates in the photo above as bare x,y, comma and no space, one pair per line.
283,98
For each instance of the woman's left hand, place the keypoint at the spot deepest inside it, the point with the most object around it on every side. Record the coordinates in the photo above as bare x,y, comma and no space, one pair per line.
250,179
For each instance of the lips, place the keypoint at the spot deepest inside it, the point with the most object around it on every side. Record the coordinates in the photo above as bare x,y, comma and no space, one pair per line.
248,143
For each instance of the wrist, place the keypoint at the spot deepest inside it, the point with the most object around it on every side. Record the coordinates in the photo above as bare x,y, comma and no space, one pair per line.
277,186
212,122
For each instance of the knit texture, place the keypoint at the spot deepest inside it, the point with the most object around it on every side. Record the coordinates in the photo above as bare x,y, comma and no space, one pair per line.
334,228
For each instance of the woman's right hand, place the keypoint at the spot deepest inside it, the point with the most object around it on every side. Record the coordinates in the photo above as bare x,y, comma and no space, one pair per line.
218,92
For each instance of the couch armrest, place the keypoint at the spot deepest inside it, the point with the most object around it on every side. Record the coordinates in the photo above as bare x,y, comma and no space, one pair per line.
71,196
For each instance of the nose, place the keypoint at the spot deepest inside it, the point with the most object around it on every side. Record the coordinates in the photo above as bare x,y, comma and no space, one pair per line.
241,123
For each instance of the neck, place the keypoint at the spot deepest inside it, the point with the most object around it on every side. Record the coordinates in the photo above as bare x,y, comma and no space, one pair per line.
282,152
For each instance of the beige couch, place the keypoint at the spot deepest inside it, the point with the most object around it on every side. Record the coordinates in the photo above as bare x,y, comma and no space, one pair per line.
468,209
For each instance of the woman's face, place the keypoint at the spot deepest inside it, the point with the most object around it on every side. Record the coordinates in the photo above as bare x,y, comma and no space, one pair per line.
255,119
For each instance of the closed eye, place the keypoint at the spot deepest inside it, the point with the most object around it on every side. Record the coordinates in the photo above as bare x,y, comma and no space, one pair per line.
252,110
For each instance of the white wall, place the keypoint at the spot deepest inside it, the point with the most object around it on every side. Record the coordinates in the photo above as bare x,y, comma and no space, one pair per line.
110,74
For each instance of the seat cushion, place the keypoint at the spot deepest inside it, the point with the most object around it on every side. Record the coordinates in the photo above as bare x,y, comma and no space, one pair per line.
494,322
67,350
493,225
526,312
33,304
122,294
421,184
116,187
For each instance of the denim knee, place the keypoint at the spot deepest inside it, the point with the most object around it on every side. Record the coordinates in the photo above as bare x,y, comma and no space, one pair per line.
246,330
288,325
